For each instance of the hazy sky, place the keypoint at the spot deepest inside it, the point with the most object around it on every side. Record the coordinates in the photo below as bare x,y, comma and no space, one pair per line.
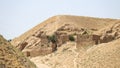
18,16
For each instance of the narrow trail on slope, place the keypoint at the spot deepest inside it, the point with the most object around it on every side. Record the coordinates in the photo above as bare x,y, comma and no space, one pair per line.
78,54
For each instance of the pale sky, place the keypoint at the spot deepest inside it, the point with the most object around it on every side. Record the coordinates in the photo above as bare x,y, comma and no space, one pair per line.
18,16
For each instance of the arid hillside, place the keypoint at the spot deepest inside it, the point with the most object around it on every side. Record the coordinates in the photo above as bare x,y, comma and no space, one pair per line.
52,33
105,55
54,23
10,57
66,41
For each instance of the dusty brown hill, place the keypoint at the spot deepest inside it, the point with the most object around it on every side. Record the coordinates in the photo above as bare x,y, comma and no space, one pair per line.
105,55
10,57
54,23
46,37
93,44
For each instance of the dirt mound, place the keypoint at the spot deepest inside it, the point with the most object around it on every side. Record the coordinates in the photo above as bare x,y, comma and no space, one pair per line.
105,55
11,57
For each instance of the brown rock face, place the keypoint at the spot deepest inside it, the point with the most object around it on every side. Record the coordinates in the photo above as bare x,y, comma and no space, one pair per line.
37,44
107,38
110,33
12,58
87,41
41,44
37,52
107,35
62,38
23,45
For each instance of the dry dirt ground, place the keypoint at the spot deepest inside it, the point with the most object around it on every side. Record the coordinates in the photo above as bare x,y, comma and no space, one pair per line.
106,55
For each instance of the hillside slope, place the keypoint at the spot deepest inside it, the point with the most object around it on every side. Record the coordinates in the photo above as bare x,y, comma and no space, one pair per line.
10,57
105,55
94,44
54,23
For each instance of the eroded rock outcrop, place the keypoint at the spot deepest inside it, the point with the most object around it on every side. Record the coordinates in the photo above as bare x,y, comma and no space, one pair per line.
41,44
110,33
37,44
105,35
87,41
48,36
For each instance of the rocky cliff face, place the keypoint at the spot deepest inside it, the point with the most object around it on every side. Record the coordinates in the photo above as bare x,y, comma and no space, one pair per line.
10,57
